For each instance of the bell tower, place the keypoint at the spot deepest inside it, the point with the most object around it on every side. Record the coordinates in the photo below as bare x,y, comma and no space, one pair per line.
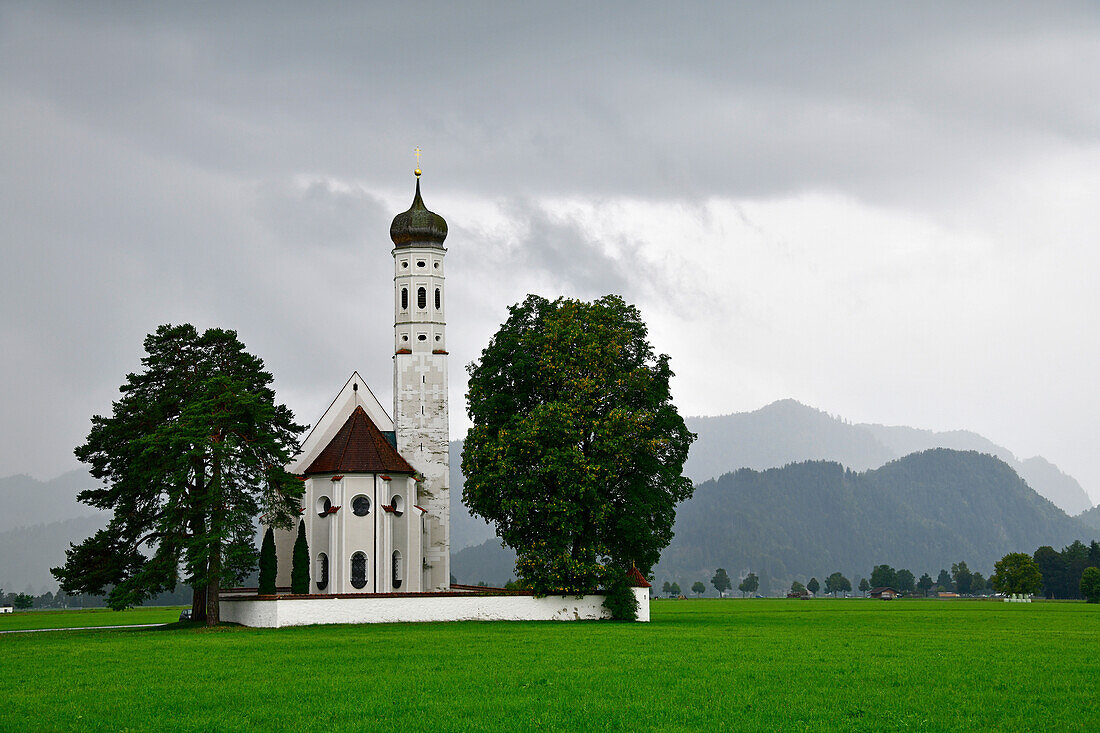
420,376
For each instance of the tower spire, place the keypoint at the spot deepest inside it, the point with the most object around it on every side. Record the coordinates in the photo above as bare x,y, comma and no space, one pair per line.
416,152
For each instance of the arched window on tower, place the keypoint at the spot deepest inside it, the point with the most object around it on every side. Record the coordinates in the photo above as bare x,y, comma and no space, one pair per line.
322,571
438,299
404,299
358,570
421,298
396,569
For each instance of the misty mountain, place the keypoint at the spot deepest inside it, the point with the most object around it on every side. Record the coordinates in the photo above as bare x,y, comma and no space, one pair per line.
922,512
789,432
1091,517
25,501
27,553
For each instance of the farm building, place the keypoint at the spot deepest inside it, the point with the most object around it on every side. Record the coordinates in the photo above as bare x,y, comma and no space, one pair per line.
886,594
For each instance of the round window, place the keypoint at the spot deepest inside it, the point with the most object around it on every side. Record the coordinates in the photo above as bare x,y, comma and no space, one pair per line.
398,504
420,263
360,506
323,506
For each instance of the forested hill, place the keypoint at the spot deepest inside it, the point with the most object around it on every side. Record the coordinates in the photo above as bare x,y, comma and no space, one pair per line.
922,512
1091,517
787,431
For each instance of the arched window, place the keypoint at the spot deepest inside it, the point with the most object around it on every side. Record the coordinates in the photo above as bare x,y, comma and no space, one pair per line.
398,504
421,298
323,505
404,299
438,299
358,570
396,569
360,506
322,571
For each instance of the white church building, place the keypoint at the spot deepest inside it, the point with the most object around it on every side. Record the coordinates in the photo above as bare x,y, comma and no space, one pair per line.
377,499
376,508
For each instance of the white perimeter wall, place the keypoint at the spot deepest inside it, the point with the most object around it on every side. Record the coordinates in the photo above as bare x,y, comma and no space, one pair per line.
407,609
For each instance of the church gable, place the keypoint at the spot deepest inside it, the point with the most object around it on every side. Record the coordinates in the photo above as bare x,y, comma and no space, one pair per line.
359,447
355,393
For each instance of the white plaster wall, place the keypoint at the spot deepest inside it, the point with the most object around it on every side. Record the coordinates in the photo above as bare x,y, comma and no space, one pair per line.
407,609
420,409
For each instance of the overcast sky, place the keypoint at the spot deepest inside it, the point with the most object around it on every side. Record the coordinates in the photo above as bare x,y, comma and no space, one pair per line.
893,216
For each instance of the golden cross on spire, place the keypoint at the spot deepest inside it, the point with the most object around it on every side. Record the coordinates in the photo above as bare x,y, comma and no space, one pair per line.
416,151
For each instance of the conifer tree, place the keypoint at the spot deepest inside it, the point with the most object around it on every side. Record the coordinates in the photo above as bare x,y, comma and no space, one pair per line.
191,453
269,564
299,566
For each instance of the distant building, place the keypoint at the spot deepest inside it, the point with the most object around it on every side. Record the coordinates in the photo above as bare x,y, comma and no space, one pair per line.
886,594
947,594
5,609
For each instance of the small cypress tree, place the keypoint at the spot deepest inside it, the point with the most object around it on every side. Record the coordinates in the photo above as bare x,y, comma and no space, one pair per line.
299,566
269,564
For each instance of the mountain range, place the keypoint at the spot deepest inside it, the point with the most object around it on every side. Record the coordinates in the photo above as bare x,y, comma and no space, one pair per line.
38,514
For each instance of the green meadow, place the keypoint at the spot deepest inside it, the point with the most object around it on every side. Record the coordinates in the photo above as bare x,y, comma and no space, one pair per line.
700,664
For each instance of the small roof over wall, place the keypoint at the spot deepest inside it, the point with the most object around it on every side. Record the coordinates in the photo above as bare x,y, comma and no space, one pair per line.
637,580
359,447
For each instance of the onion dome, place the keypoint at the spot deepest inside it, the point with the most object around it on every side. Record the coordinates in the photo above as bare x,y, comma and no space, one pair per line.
418,225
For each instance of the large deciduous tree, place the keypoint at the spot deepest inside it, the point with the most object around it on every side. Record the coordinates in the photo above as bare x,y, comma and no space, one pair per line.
750,584
1016,572
721,582
1090,584
576,452
191,454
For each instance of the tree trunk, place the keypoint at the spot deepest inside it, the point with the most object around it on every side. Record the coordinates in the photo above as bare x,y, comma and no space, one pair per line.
198,603
198,529
214,572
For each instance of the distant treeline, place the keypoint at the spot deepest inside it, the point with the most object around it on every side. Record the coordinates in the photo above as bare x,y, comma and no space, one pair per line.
181,596
1061,573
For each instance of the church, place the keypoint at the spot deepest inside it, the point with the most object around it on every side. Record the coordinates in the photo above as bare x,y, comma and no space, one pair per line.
377,499
376,508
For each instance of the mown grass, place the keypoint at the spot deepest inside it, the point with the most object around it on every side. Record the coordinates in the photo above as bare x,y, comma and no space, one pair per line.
60,619
701,664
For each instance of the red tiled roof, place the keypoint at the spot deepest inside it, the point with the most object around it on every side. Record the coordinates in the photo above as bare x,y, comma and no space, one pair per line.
637,580
359,447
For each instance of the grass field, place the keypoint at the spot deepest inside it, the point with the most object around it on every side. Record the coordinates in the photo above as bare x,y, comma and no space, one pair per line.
61,619
701,664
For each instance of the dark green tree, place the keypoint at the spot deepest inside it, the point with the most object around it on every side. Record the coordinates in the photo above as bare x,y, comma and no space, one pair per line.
23,601
962,577
906,581
925,583
750,584
1016,572
1052,567
944,581
1090,584
721,582
675,590
977,584
797,588
864,586
837,583
884,576
269,564
698,588
1076,559
192,452
576,452
813,586
299,562
666,588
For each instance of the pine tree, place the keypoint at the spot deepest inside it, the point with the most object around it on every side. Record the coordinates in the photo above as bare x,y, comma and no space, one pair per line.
190,455
269,564
299,566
